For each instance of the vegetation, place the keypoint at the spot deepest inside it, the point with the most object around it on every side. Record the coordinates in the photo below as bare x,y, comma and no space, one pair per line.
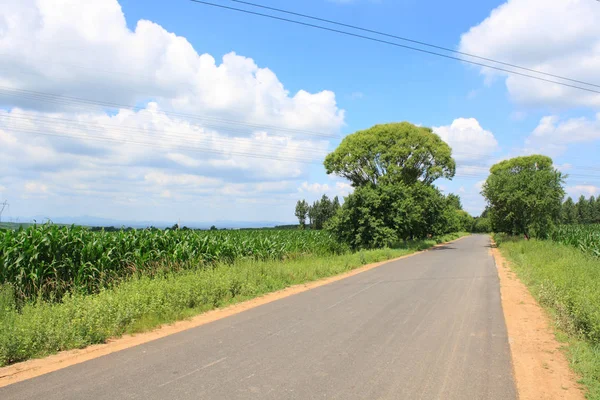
392,153
49,260
142,302
524,195
385,215
318,214
392,168
585,211
566,281
584,237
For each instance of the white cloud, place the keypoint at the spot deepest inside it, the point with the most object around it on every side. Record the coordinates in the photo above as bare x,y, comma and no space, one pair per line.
343,188
314,190
572,130
198,117
468,140
557,37
585,190
313,187
85,49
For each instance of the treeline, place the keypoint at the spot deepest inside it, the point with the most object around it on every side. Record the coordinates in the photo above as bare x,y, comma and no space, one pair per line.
585,211
318,213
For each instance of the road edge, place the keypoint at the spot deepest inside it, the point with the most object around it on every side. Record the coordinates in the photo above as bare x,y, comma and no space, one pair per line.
40,366
540,367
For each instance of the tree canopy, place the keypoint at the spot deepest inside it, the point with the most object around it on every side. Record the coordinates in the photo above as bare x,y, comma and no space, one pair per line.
524,195
392,153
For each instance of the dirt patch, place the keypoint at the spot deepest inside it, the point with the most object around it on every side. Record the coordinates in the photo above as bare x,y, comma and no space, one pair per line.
36,367
540,367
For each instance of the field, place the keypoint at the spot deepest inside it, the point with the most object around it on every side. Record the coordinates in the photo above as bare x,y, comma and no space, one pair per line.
585,237
50,260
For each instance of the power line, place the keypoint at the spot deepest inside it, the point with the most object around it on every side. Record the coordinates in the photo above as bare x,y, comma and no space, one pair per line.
394,44
303,154
83,102
329,21
165,135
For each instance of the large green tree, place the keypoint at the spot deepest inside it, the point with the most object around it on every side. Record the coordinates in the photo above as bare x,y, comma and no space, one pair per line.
390,154
524,195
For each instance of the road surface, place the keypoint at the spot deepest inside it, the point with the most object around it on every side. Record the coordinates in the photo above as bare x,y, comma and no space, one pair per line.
425,327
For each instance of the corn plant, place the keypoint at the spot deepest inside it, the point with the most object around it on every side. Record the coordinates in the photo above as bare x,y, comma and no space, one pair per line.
584,237
50,260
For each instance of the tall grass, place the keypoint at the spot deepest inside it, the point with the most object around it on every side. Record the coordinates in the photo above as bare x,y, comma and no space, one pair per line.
566,281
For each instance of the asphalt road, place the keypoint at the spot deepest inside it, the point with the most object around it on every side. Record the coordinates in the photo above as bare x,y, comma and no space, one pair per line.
425,327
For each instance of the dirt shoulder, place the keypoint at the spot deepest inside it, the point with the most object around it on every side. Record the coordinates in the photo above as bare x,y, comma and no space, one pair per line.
36,367
541,369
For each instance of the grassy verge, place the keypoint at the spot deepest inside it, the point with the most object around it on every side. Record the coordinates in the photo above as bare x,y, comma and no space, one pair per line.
142,303
567,283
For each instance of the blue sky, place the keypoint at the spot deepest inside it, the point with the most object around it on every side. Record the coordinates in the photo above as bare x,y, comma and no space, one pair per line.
177,64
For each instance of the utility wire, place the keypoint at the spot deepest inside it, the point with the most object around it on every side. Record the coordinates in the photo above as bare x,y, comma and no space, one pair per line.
193,149
165,135
77,101
329,21
255,147
393,44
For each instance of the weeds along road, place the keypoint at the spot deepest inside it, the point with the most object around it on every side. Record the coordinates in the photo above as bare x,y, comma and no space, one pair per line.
425,327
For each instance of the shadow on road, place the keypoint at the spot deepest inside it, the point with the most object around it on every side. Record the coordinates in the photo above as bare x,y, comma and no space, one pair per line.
443,248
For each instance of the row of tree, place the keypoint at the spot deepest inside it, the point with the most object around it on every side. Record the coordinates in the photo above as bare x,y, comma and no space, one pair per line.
318,214
585,211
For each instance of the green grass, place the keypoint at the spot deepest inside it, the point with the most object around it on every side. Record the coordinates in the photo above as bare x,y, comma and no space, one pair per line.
144,302
566,282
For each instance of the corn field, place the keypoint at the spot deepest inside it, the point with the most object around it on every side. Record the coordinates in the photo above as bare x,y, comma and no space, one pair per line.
584,237
49,261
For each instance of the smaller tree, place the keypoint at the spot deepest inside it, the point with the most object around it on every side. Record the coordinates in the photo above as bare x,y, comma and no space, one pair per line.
302,212
568,214
583,210
594,210
335,205
524,195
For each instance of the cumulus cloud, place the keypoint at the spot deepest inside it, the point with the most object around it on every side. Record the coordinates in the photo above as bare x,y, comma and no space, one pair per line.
552,135
565,42
202,125
572,130
468,140
340,189
585,190
313,187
